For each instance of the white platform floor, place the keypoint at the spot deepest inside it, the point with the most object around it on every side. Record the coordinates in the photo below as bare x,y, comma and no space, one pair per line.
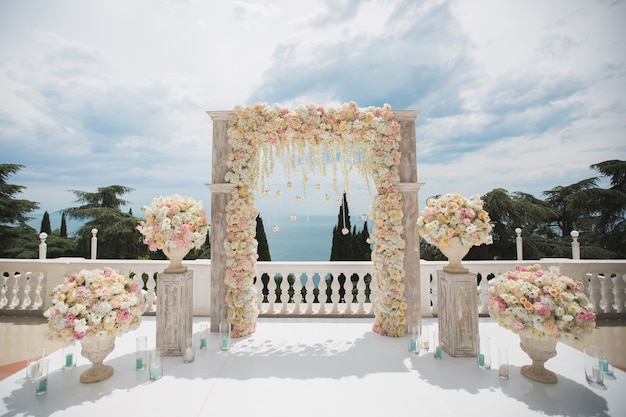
317,367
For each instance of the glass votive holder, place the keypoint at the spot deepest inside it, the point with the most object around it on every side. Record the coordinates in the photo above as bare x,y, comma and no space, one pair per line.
413,331
425,337
484,352
436,347
189,351
605,362
41,380
593,365
33,356
204,333
224,335
155,364
503,362
69,355
141,355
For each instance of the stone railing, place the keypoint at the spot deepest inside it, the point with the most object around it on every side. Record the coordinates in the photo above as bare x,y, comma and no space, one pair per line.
331,289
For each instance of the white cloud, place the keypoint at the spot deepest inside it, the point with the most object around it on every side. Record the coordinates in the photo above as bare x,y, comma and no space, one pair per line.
520,95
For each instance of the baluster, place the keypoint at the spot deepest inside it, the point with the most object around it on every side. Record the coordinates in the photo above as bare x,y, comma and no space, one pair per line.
272,297
15,299
483,294
284,295
434,299
607,293
297,294
321,295
348,286
258,284
373,295
38,300
334,295
594,292
3,296
310,297
151,293
620,296
360,295
26,300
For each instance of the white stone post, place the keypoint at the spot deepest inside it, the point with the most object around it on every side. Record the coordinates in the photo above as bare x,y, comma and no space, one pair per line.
94,243
519,245
575,245
43,247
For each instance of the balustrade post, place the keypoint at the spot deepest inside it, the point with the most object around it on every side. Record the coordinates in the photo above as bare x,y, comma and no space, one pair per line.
575,245
519,245
94,243
42,245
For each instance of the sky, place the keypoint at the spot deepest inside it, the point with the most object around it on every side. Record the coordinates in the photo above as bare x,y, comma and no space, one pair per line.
521,95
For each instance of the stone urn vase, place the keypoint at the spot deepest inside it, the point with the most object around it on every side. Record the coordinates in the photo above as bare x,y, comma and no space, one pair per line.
539,350
455,252
176,256
96,350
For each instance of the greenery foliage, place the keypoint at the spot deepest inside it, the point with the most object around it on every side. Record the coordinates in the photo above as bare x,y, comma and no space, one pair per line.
598,214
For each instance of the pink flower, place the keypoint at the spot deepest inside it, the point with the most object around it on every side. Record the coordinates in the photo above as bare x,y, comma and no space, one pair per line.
124,315
518,325
69,319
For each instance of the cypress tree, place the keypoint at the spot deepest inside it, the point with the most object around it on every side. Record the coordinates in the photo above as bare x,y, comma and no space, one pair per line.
45,224
343,243
263,248
63,231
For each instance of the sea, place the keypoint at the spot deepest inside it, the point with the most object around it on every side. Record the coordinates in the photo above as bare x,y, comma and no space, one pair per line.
306,238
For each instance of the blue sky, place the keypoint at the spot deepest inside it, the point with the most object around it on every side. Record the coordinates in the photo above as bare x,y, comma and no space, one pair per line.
523,95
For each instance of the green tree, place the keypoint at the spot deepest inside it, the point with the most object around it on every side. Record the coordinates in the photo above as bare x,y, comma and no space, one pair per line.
17,239
45,224
343,240
117,234
263,249
63,230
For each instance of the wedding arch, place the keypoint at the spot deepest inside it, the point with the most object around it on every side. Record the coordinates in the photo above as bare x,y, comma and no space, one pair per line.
379,142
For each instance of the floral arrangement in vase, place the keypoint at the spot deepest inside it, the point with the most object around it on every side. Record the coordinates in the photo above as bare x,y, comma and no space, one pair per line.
452,218
98,302
174,222
541,304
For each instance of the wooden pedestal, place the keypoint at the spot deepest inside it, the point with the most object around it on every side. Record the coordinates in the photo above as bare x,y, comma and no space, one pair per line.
174,312
458,313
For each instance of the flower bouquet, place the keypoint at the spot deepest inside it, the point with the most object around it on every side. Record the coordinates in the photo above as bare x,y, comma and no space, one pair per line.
454,224
100,303
174,221
541,304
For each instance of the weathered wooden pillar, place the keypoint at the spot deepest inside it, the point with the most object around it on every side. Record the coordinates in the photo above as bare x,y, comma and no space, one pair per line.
174,331
458,313
220,196
409,188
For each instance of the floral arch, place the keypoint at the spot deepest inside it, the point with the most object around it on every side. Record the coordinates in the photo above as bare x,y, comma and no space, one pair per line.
374,140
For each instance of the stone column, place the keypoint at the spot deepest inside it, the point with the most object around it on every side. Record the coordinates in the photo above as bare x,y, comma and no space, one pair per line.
220,196
409,188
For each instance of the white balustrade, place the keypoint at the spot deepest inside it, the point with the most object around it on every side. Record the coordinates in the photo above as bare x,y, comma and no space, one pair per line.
300,288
